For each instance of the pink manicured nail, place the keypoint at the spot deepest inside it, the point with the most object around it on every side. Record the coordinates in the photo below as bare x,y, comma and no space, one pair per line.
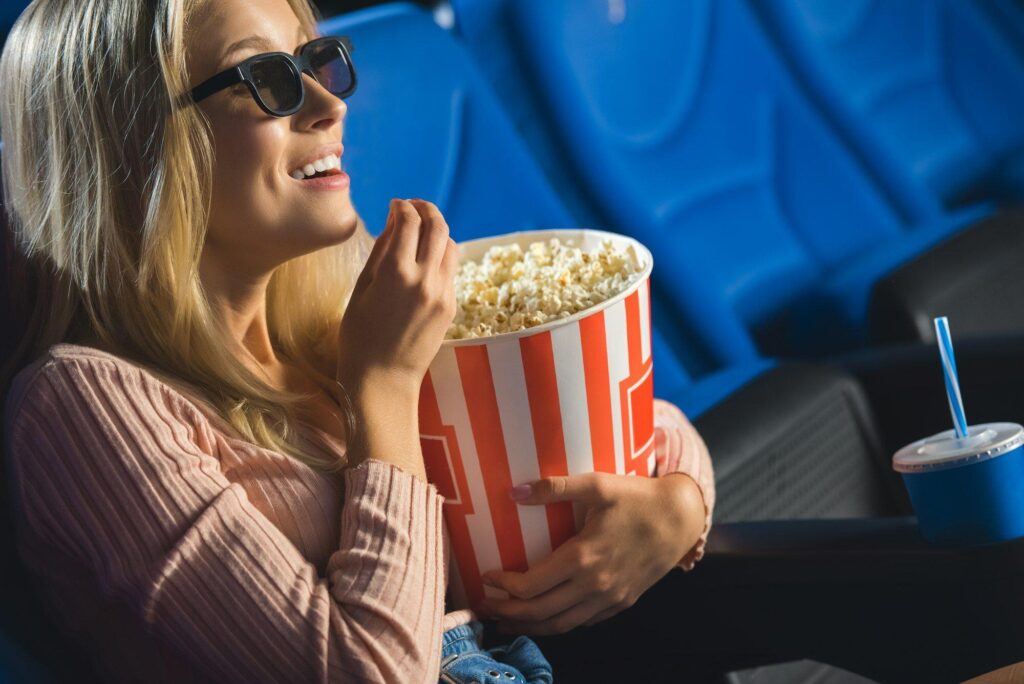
520,492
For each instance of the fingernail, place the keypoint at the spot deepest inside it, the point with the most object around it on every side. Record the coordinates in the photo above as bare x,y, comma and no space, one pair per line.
520,492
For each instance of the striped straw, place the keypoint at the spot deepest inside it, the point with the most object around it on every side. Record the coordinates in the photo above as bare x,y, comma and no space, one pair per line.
956,402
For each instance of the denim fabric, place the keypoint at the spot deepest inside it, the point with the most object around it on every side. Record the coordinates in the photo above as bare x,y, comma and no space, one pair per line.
464,662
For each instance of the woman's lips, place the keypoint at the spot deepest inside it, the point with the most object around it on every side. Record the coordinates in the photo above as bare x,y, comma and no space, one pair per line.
335,181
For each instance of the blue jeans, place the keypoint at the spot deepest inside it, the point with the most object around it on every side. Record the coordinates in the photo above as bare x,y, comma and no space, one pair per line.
463,661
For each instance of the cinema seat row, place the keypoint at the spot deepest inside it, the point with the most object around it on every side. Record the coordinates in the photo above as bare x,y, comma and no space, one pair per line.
453,118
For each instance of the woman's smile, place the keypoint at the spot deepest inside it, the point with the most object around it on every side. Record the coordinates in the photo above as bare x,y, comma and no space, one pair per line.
321,169
333,181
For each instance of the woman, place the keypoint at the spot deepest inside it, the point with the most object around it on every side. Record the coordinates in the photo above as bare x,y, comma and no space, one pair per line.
212,432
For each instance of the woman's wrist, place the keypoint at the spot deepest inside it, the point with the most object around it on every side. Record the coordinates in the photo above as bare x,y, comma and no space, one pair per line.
689,507
380,382
386,423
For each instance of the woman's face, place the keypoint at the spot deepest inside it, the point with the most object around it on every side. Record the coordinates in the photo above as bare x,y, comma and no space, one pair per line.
260,215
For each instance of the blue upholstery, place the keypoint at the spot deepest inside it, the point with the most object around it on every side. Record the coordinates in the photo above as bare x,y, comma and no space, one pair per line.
1007,16
10,10
878,66
424,123
699,142
430,134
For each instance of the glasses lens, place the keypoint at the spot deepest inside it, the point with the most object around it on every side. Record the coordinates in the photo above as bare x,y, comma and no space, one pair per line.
331,68
276,83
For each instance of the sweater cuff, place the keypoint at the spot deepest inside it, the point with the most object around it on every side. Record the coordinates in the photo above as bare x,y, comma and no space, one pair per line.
390,518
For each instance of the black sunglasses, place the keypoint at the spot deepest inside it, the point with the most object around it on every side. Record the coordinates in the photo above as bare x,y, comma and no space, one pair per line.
275,78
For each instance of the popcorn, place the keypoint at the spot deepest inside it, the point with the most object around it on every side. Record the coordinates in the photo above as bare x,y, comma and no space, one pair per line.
511,289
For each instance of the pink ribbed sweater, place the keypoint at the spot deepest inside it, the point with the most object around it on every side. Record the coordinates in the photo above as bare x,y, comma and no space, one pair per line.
177,551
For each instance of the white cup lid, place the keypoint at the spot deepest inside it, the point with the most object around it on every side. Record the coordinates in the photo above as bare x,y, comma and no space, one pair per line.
946,450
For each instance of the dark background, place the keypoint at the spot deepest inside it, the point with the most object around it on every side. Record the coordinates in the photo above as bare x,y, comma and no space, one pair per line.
330,8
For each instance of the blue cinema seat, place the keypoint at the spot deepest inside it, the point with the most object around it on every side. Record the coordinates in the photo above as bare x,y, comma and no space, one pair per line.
698,141
452,144
419,93
10,10
930,90
1008,17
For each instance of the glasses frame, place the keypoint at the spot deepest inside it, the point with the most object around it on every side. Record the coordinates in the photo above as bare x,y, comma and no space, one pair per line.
297,64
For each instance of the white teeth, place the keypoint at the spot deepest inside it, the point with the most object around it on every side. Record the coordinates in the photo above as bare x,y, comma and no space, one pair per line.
331,161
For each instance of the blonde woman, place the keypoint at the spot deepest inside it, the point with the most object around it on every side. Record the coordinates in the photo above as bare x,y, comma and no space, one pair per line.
211,425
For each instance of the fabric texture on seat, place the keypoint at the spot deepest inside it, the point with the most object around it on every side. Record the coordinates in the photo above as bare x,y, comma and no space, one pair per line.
929,91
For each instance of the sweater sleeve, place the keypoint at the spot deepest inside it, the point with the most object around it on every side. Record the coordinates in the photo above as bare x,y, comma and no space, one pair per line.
113,467
683,451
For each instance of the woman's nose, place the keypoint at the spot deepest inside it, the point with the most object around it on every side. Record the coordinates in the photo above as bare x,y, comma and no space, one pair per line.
321,107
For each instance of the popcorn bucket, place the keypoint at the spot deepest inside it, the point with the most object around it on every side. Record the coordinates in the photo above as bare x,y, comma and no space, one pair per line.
567,397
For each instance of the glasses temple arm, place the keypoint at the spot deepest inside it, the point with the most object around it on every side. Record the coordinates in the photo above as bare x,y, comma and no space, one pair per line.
228,77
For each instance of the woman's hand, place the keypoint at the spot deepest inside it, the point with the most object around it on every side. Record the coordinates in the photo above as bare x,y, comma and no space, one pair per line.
403,301
401,306
635,530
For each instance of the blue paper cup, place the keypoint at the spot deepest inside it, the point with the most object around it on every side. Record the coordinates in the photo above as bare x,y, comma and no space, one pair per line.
969,491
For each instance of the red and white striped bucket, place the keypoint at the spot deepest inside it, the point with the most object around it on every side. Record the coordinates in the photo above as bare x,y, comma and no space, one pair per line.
568,397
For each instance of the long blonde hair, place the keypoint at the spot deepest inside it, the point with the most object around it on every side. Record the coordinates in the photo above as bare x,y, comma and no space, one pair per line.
107,183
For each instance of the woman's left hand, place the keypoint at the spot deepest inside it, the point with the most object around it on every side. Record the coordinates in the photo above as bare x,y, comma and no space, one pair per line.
635,530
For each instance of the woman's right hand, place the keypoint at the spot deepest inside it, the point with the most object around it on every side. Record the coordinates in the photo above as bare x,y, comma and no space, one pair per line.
400,309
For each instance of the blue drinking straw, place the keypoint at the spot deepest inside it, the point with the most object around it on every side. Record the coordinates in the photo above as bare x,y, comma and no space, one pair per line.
956,402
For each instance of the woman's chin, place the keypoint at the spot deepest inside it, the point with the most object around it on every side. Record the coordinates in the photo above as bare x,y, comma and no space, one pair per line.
332,224
339,230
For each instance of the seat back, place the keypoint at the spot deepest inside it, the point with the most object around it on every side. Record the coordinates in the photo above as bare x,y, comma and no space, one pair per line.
10,10
418,126
698,141
424,123
878,67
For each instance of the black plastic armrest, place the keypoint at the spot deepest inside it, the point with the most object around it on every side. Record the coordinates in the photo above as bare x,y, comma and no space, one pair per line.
865,594
790,537
884,550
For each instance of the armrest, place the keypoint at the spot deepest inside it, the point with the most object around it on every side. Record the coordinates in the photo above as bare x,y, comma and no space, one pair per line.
885,551
864,594
867,595
779,538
